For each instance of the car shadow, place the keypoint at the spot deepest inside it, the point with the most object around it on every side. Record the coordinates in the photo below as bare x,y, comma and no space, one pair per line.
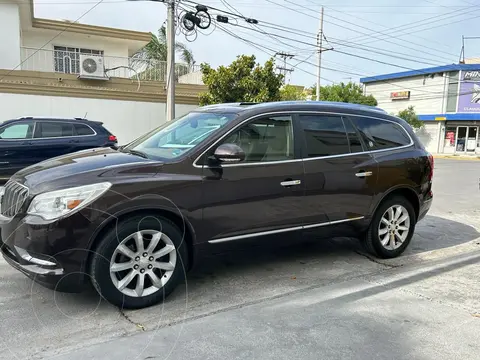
434,233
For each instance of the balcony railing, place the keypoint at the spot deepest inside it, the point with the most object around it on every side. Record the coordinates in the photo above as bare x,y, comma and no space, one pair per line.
68,62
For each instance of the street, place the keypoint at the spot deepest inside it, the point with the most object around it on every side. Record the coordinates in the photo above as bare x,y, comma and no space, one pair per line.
318,299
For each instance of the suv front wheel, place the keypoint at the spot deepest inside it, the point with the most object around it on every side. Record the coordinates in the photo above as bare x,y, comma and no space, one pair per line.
391,229
139,262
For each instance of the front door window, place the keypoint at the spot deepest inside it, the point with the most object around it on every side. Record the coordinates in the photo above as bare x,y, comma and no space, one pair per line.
265,139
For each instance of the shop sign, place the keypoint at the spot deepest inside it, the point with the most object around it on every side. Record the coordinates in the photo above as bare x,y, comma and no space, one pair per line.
469,93
400,95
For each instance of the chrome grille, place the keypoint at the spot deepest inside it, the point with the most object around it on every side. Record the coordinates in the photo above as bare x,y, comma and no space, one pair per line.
13,198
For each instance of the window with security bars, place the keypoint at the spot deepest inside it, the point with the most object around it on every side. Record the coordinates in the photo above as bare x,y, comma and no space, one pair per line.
67,59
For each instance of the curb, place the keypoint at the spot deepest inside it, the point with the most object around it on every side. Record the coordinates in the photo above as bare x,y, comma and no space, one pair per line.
456,157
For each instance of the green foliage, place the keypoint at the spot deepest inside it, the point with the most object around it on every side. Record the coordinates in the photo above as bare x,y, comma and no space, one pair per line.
349,93
410,116
243,80
156,50
290,92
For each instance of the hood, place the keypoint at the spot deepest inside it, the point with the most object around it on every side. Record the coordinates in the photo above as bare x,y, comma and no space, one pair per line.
73,165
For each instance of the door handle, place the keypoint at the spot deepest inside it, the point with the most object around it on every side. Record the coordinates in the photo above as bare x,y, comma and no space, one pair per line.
27,143
73,141
287,183
364,174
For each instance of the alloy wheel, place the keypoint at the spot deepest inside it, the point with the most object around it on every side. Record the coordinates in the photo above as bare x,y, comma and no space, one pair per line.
142,263
394,227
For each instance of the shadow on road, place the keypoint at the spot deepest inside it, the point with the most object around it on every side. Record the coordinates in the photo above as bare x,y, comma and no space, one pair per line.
433,233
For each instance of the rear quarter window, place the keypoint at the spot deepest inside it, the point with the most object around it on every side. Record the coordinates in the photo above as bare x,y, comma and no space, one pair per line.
381,134
83,130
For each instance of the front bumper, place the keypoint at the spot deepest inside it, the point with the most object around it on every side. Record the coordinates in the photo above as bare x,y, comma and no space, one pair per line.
52,254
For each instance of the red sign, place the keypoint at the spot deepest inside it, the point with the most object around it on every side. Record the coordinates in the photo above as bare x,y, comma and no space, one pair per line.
400,95
450,135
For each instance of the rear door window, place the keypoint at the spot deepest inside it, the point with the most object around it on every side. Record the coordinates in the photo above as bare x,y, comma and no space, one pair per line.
324,135
53,129
381,134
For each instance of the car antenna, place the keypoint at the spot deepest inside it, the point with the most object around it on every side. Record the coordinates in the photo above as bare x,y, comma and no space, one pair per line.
85,117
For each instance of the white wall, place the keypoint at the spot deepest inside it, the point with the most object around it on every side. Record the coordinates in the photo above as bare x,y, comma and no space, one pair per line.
10,36
115,52
425,94
192,78
125,119
429,136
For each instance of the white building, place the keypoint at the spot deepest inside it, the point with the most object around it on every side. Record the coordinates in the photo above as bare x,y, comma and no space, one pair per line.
41,73
446,98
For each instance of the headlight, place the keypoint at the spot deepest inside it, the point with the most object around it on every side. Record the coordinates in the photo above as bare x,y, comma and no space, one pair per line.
60,203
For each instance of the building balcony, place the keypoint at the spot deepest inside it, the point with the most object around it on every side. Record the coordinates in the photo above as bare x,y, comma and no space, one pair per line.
67,61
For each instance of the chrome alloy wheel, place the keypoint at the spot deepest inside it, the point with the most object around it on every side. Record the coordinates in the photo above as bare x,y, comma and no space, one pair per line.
143,263
394,227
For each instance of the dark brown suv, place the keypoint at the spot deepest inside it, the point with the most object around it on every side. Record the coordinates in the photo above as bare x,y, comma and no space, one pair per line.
133,220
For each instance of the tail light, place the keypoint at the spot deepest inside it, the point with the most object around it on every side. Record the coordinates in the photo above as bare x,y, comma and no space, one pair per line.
432,163
112,138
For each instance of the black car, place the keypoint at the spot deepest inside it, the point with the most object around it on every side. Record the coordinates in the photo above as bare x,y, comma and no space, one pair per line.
29,140
132,220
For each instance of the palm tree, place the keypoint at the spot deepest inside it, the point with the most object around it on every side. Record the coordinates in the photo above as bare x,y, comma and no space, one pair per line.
151,58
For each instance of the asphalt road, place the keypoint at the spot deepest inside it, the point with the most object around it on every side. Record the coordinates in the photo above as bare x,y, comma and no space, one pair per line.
322,299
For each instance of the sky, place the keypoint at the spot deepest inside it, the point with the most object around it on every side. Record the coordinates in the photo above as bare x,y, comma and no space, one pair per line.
368,38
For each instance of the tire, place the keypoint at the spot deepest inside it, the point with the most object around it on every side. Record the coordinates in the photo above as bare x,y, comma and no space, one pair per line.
372,240
158,283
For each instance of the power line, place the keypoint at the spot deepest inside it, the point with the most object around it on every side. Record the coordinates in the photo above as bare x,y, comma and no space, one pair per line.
262,49
259,47
354,30
420,22
375,23
339,51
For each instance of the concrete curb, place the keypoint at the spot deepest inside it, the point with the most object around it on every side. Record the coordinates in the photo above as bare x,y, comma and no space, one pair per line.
456,157
438,254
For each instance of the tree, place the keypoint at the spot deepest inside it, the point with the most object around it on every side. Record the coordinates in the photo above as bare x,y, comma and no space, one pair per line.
349,93
410,116
151,57
242,80
290,92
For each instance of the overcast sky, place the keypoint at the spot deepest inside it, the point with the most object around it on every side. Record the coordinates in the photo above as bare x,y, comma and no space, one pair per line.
429,32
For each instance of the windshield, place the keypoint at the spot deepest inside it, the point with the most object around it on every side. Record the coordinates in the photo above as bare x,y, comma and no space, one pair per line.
173,139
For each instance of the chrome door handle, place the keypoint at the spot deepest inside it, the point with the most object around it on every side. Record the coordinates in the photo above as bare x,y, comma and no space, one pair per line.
291,182
364,174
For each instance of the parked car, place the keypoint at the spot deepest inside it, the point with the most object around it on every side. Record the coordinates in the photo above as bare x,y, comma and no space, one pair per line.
133,220
29,140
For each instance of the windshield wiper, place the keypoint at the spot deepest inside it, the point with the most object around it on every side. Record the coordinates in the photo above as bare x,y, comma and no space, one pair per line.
135,152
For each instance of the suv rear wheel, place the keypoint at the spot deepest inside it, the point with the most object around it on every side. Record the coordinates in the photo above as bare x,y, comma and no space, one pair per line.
139,262
391,228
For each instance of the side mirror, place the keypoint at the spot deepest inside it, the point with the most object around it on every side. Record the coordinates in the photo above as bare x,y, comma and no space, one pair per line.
229,153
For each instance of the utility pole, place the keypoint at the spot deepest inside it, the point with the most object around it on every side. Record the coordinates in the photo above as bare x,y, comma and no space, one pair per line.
284,69
171,60
319,44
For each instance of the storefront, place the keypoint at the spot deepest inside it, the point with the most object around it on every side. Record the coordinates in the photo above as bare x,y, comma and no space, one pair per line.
459,130
446,98
461,139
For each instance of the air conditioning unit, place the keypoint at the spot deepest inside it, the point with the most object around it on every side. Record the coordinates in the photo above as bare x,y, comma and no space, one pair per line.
91,67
